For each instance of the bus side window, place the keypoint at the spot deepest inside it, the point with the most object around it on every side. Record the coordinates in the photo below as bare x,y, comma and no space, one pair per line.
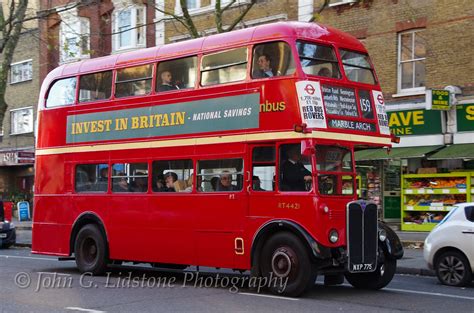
133,81
224,67
263,168
272,59
173,176
95,86
222,175
130,177
318,60
91,178
182,71
62,93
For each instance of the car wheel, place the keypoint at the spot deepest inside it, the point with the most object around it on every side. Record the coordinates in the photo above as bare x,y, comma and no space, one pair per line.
452,269
285,263
378,279
90,250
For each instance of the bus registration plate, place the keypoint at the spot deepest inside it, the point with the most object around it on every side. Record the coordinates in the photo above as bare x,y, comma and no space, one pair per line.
3,235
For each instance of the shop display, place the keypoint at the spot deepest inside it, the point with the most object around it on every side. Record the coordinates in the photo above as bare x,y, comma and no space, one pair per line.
427,198
374,187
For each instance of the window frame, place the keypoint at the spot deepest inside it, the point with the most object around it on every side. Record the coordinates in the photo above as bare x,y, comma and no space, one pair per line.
20,63
12,112
151,78
51,85
413,90
369,61
253,61
97,164
214,68
134,29
67,31
337,61
78,87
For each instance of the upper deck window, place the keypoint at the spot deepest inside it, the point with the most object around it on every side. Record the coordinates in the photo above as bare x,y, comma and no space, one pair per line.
272,59
357,67
63,92
176,74
318,60
96,86
134,81
224,67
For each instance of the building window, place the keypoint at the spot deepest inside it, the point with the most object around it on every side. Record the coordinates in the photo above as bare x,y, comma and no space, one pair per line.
74,33
21,71
411,61
128,27
193,5
21,121
333,3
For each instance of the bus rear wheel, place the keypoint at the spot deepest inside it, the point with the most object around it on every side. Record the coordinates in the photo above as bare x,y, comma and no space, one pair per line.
90,250
378,279
286,265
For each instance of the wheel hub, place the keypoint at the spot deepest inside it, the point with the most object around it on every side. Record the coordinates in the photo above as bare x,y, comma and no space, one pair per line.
283,262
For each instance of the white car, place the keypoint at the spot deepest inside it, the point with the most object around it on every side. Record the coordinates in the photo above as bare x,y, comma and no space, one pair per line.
449,248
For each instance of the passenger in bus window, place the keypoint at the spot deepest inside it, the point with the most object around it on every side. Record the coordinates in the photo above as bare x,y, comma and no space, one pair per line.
140,183
256,183
166,82
325,72
225,183
170,178
122,184
294,175
264,65
214,183
159,184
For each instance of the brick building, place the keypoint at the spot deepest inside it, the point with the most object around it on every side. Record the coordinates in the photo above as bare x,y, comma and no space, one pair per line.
17,136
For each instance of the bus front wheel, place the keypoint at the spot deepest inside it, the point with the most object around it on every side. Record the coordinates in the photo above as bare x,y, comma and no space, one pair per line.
90,250
378,279
286,266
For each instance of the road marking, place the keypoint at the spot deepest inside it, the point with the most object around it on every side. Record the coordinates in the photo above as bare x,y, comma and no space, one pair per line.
26,257
429,293
84,310
267,296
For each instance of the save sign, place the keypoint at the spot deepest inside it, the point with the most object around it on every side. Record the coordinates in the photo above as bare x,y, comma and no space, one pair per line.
415,122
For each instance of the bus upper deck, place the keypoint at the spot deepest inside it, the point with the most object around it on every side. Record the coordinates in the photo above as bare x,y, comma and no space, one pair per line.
318,81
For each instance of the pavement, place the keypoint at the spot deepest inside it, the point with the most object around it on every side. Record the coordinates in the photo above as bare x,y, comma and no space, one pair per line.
412,262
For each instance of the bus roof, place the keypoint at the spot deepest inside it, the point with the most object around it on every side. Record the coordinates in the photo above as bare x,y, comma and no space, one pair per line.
261,33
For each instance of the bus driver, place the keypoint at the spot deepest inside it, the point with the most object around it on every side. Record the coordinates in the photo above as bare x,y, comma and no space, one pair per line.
294,175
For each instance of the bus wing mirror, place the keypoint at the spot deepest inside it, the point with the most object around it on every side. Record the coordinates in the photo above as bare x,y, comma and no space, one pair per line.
307,148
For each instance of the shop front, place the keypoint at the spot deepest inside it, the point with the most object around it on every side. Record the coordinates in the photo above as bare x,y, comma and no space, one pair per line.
17,174
380,170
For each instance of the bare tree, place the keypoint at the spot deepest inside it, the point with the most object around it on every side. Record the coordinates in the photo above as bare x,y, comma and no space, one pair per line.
187,21
11,23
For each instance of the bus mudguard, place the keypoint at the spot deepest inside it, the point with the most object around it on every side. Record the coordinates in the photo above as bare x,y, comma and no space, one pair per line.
84,219
317,250
392,245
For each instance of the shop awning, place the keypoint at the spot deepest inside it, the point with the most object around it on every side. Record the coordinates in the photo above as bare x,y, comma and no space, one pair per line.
395,153
457,151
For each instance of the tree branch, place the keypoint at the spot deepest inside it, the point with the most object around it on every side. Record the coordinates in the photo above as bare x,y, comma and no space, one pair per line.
241,16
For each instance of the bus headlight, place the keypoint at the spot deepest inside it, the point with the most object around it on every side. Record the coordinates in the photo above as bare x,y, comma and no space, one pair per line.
333,236
382,235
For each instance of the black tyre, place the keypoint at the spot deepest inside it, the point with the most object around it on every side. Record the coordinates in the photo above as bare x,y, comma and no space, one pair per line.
90,250
378,279
286,265
452,269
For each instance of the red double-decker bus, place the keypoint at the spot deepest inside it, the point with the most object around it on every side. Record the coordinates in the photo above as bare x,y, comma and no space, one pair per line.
231,151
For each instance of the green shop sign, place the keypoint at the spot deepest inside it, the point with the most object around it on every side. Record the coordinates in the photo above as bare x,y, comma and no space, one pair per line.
465,117
218,114
437,100
415,122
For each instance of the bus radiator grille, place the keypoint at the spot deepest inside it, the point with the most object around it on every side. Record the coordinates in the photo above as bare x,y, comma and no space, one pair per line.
362,241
